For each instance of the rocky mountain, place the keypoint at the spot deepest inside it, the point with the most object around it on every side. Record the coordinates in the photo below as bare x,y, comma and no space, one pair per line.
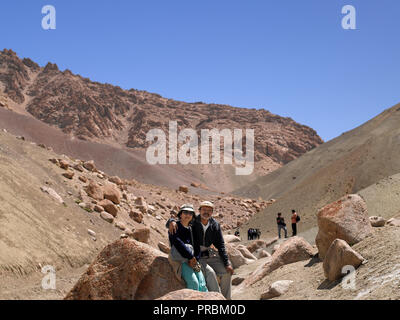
108,114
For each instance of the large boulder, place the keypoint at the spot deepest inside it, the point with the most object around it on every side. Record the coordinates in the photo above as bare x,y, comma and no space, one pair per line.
188,294
293,250
345,219
340,254
276,289
235,256
112,193
126,270
94,191
245,252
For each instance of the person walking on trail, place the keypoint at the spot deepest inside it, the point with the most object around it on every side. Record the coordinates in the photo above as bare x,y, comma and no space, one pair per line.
182,250
207,234
295,218
281,225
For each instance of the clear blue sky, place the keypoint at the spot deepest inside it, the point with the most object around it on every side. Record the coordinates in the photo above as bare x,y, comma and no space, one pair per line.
288,56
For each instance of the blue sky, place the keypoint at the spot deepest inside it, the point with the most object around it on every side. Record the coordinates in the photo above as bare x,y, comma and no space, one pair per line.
290,57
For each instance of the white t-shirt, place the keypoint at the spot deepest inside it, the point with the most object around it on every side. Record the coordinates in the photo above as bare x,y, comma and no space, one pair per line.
205,227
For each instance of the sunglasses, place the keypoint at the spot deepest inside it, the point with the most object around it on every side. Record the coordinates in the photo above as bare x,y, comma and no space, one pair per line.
187,212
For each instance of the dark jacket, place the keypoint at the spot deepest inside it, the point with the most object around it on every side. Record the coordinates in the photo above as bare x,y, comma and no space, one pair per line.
180,239
280,221
213,236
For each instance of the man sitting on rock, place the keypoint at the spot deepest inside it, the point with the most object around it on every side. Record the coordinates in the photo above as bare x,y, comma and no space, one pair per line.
207,234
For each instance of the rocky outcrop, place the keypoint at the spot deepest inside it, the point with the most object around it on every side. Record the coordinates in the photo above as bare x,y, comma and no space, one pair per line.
345,219
91,110
340,254
126,270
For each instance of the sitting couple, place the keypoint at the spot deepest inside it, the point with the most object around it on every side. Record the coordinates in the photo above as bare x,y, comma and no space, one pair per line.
193,239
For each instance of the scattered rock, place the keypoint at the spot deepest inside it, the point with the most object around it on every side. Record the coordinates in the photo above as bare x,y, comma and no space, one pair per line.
377,221
345,219
68,174
109,207
107,217
142,235
89,165
120,226
276,289
83,179
236,281
52,193
393,222
115,180
183,189
91,233
340,254
94,191
63,164
137,216
112,193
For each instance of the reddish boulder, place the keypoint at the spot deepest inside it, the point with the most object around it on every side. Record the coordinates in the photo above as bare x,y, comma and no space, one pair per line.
112,193
109,207
345,219
340,254
94,191
126,270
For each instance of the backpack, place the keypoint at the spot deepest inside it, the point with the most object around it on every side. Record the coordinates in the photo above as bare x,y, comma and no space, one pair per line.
297,218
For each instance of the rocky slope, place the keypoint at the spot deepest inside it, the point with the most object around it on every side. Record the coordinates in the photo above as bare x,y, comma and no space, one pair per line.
105,113
60,211
348,164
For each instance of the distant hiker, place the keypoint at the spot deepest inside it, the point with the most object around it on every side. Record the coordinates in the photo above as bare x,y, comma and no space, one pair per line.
295,218
249,234
281,225
182,250
237,233
207,233
258,233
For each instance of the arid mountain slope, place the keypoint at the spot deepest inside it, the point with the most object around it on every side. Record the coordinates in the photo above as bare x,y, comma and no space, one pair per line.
37,230
347,164
122,118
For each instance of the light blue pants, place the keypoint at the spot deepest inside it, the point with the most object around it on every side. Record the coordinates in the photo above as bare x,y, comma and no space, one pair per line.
194,280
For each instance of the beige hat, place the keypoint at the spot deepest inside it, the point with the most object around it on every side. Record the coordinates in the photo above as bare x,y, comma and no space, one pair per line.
206,204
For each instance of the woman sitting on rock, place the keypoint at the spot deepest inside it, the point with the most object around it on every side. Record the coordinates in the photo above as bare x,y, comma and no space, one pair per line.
182,252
